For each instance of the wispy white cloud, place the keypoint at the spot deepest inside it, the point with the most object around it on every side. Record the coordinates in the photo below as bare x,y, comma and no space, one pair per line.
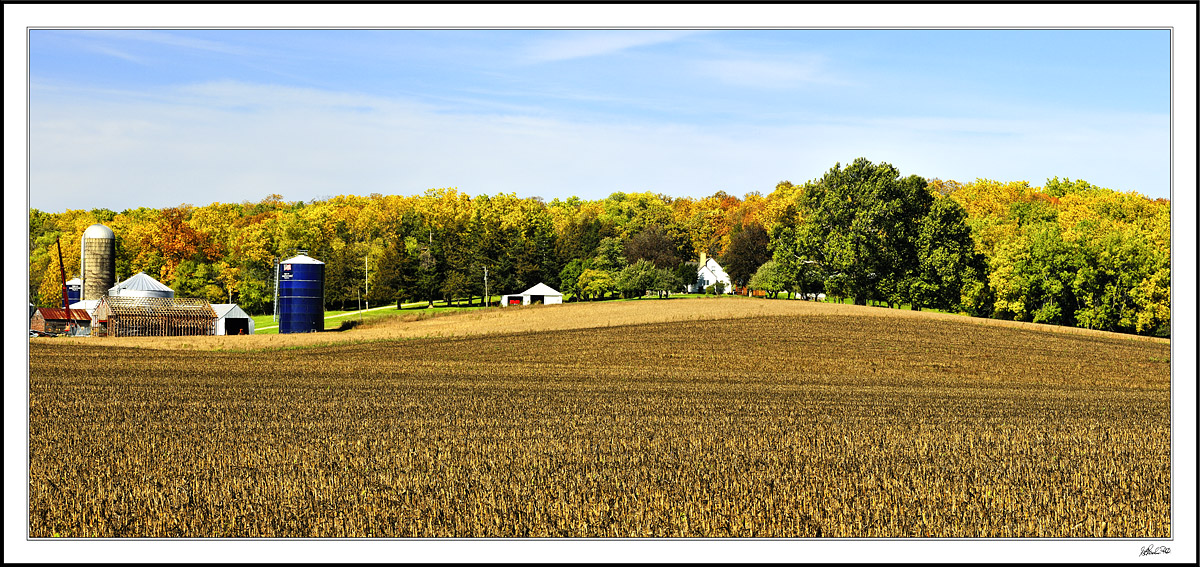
231,142
575,45
765,73
165,38
113,52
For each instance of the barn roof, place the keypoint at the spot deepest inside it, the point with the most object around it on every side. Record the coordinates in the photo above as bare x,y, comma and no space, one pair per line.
60,314
139,282
229,310
117,306
540,289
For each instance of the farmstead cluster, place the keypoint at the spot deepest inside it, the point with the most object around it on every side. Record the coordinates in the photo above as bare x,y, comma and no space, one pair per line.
1066,253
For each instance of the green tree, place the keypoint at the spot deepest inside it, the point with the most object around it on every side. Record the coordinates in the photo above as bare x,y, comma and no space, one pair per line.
569,277
859,223
665,282
949,267
1153,299
792,254
652,244
769,278
637,278
687,274
389,276
596,284
748,249
1033,277
1114,264
454,286
534,254
610,255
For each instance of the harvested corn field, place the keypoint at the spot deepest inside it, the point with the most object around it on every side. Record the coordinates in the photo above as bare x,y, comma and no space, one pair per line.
771,426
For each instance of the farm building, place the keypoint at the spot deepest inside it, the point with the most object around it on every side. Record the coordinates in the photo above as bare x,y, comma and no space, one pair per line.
74,290
141,285
118,316
540,293
88,305
231,320
97,261
709,272
57,320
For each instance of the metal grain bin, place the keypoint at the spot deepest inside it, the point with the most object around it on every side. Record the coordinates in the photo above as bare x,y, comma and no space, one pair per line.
301,295
74,291
141,285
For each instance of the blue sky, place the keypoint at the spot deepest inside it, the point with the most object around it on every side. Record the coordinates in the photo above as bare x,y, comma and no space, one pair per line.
127,118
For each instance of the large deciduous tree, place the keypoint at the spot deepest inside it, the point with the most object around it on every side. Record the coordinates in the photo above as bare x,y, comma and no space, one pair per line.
1033,276
859,223
637,278
748,249
653,245
769,278
951,275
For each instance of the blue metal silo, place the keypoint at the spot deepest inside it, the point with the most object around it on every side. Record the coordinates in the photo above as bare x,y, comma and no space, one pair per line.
74,290
301,295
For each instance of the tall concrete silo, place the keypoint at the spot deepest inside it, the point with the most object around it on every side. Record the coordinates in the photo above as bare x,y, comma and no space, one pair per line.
97,261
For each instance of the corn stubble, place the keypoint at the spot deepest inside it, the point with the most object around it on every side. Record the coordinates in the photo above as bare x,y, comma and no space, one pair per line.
815,426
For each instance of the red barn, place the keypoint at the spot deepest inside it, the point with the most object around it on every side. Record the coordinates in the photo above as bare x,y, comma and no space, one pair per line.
55,320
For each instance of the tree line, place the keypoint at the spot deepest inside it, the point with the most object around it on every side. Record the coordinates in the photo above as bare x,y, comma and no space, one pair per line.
1066,253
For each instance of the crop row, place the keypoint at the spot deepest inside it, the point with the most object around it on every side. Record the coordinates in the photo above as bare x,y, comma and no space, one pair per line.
741,428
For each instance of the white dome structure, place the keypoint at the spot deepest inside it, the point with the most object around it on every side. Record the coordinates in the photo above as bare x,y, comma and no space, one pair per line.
98,231
141,285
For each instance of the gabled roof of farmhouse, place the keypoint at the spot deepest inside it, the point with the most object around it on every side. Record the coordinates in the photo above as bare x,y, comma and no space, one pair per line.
714,267
540,289
139,282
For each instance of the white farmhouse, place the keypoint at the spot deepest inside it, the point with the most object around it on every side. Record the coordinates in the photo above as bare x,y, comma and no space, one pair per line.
709,272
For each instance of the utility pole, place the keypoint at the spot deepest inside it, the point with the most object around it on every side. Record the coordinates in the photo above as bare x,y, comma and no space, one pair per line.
62,270
367,281
275,304
486,298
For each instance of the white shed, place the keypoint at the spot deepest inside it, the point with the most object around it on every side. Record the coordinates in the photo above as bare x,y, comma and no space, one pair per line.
540,293
231,319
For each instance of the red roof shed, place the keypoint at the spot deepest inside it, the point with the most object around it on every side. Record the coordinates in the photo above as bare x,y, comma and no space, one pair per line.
54,319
